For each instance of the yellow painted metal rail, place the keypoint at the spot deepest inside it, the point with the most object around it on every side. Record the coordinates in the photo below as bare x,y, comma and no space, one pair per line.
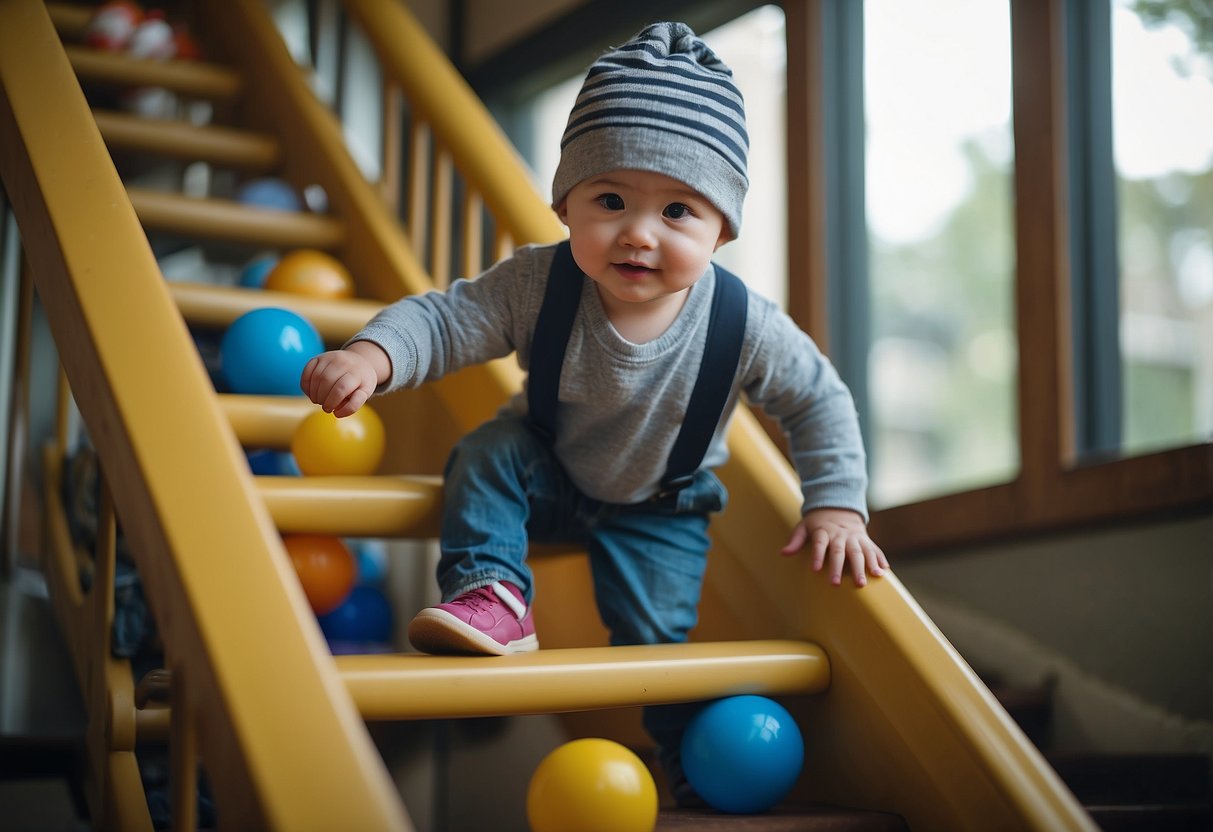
572,679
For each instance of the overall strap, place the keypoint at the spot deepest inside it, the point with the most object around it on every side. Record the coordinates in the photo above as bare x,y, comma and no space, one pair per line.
560,301
722,352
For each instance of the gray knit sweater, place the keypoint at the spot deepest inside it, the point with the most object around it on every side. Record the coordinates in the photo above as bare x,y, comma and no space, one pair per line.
621,404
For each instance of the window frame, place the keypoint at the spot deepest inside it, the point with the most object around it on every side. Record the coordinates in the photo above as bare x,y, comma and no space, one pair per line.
1056,488
1060,209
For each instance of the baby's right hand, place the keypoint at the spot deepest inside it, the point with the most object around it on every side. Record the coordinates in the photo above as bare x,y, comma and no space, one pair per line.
340,381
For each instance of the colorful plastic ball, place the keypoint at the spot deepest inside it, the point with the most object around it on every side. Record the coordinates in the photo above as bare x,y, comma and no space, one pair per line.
271,193
153,38
254,273
363,618
270,463
591,785
324,445
264,352
309,272
325,567
112,25
742,754
187,47
372,559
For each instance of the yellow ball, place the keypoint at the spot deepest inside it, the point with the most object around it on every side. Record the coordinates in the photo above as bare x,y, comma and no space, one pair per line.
592,785
310,272
324,445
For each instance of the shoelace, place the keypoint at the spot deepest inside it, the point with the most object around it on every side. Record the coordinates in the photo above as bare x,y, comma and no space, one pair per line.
478,599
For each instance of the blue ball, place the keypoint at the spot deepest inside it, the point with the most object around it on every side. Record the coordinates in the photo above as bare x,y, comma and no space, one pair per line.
372,559
364,618
264,352
268,462
253,275
269,193
742,754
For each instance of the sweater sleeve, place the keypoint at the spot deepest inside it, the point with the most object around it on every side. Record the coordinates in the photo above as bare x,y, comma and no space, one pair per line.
429,336
794,383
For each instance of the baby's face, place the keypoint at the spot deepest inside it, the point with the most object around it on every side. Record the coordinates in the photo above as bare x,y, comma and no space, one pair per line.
641,236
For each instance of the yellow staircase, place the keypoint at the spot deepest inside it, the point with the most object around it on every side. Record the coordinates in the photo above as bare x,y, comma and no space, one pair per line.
894,720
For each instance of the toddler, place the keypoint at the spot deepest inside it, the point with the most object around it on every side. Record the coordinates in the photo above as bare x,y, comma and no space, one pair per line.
651,180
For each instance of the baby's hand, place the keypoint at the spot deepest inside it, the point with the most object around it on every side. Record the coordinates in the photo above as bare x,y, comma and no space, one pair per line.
836,538
340,381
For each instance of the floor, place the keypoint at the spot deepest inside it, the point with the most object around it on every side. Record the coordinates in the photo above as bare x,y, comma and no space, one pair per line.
38,705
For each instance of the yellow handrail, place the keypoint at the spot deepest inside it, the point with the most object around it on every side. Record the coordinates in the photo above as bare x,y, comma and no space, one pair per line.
282,741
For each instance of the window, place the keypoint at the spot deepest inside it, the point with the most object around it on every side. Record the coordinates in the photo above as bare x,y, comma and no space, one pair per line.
941,355
1162,141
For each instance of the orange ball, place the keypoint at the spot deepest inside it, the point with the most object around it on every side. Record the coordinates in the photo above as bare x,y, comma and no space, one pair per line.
324,445
309,272
326,569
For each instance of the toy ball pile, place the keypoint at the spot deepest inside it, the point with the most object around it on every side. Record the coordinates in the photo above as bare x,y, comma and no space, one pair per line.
124,26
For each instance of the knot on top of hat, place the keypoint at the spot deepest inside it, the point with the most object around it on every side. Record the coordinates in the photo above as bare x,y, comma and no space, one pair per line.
678,38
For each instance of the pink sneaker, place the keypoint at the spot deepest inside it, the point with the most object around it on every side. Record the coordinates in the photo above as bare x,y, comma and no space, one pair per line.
493,620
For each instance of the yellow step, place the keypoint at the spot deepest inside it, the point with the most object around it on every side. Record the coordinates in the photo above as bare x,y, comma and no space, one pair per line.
231,221
70,19
265,421
190,79
413,686
176,139
386,506
210,306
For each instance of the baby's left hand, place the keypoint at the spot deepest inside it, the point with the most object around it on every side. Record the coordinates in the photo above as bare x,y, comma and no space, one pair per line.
837,538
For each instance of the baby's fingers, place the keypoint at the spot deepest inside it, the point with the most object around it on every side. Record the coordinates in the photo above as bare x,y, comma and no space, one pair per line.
817,550
795,542
837,558
344,395
877,562
857,561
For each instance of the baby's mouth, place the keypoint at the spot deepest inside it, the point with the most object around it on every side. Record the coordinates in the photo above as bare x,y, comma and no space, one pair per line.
632,271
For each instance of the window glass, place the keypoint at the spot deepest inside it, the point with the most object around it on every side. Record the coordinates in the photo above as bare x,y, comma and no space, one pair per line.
1162,126
939,201
754,47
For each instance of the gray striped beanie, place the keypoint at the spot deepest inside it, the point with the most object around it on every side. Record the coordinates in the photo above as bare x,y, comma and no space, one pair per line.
662,102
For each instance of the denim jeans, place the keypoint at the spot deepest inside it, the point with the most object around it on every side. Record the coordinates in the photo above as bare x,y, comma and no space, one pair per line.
505,489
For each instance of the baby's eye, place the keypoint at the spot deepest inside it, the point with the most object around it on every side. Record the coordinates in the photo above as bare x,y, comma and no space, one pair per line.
677,210
611,202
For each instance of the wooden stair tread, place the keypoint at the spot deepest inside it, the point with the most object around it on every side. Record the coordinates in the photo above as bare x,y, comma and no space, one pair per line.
177,139
70,19
209,305
192,79
798,818
415,686
1156,779
231,221
372,506
264,421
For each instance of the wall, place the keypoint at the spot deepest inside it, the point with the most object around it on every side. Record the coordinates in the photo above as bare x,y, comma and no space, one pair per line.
1120,619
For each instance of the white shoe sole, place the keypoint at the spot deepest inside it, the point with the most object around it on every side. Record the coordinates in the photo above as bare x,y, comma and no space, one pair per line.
437,631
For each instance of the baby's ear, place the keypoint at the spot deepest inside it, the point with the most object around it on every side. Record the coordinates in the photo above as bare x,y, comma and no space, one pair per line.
724,237
562,211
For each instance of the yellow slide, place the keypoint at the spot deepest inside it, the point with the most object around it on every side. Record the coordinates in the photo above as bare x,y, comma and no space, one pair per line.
894,719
